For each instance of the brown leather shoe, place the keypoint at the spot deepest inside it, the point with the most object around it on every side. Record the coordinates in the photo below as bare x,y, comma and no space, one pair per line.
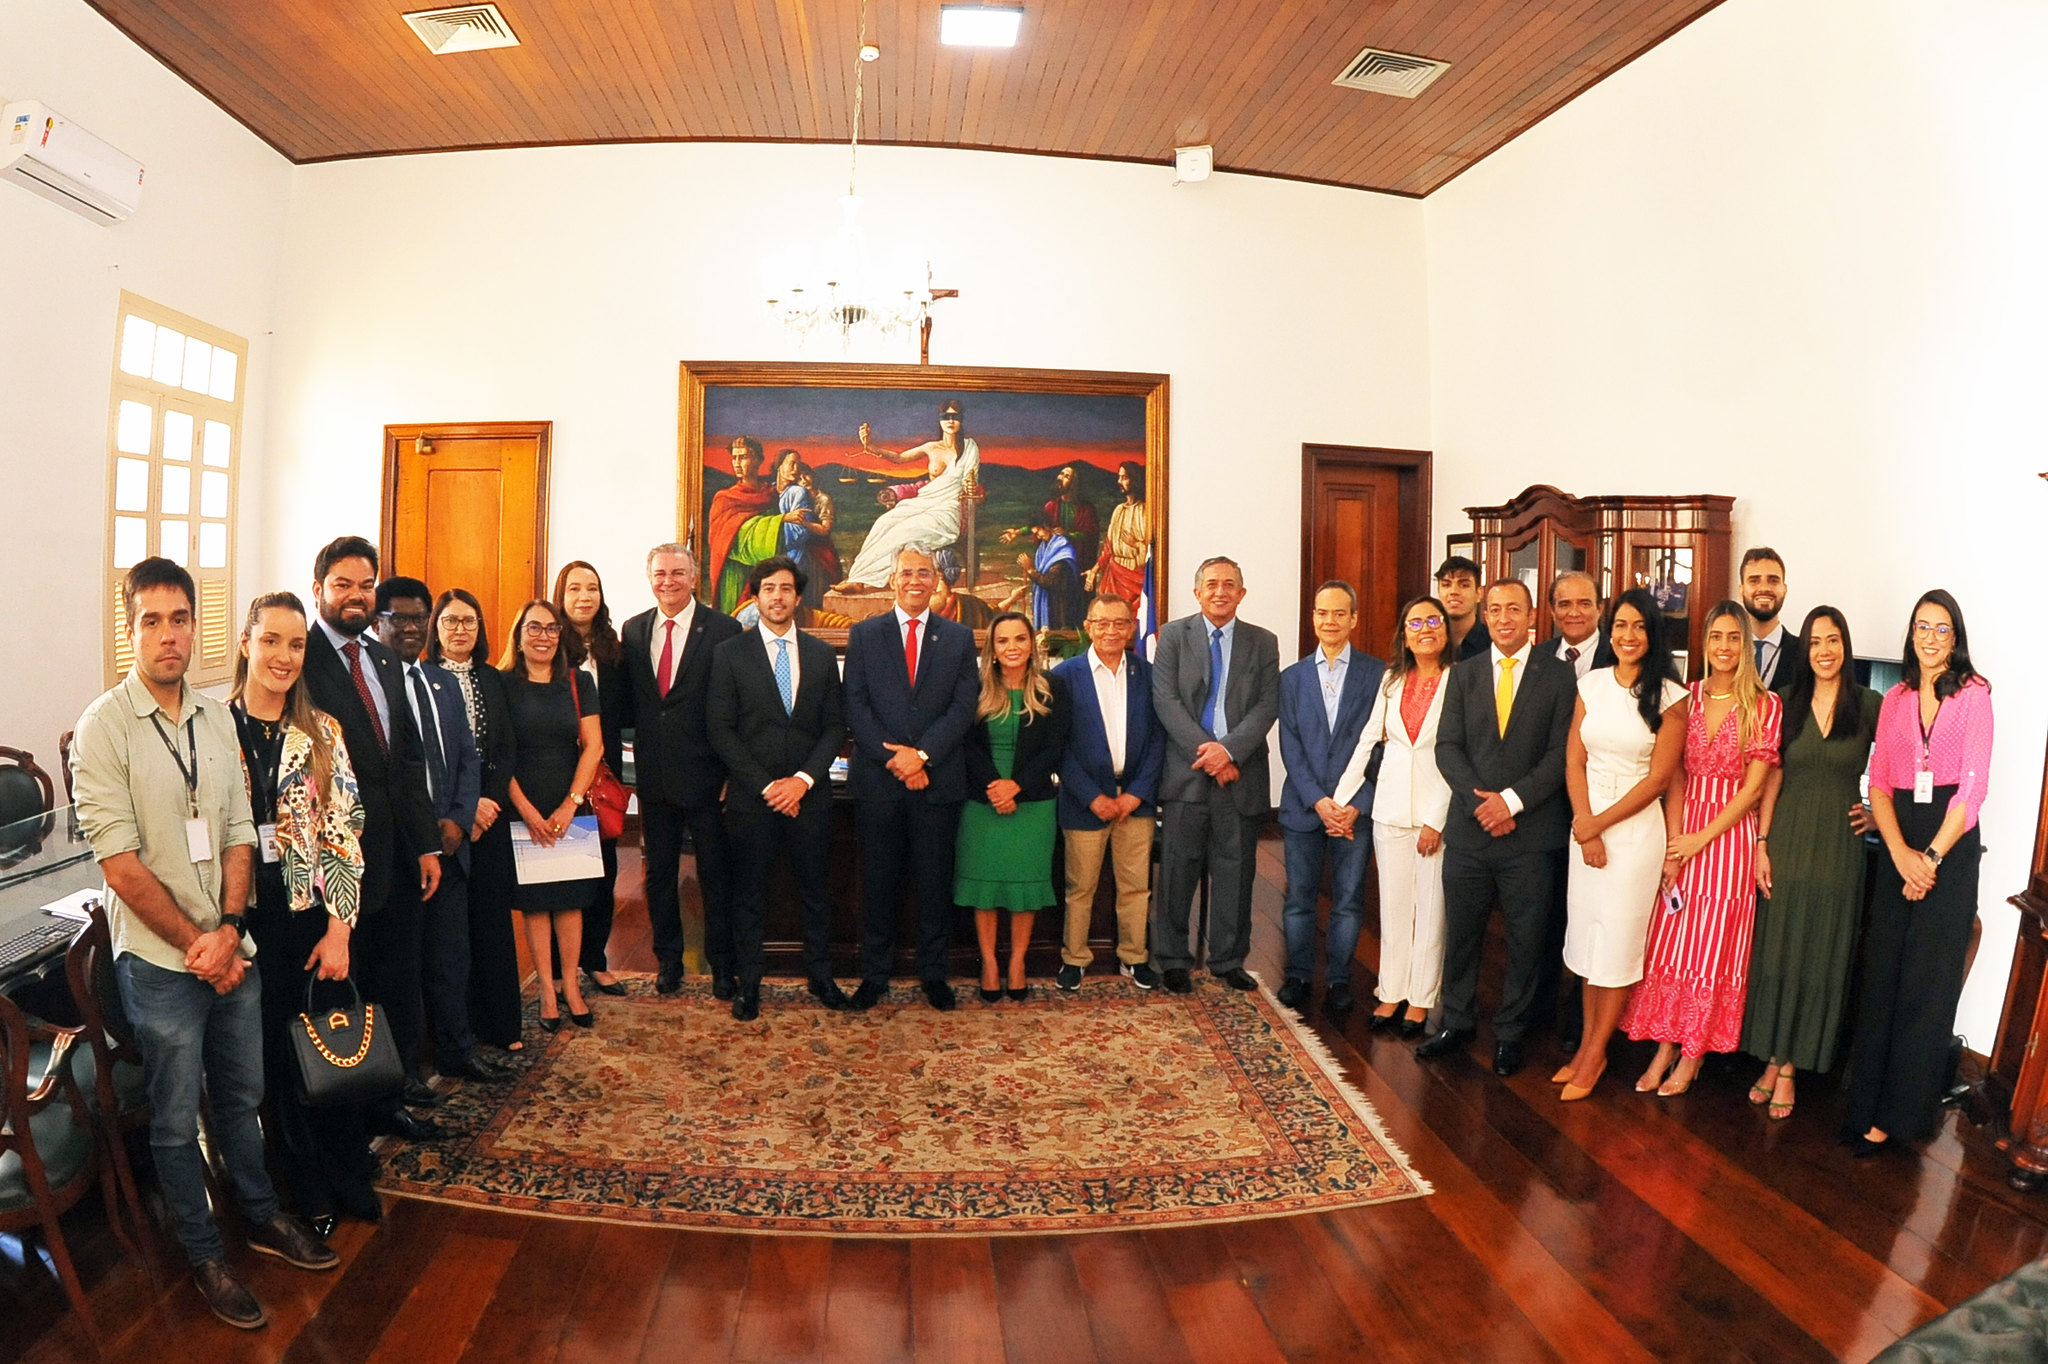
225,1295
292,1241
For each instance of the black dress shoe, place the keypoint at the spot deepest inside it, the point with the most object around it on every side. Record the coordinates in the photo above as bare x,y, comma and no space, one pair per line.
479,1069
868,995
828,993
227,1297
1237,978
420,1095
989,996
1020,993
1507,1058
617,987
724,985
1444,1043
1178,981
586,1019
403,1122
1337,998
292,1241
1862,1147
551,1024
747,1006
1411,1028
1293,994
939,995
669,979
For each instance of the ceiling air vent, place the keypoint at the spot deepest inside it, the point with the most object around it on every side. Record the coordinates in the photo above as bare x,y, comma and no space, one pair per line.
1390,73
465,28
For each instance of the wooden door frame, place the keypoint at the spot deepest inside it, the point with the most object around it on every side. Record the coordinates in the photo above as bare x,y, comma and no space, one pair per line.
1413,512
399,439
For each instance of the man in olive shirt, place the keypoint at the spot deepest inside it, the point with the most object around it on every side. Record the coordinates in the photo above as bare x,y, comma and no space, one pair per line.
157,770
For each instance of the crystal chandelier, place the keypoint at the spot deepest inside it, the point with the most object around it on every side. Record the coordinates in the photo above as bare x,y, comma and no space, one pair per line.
837,286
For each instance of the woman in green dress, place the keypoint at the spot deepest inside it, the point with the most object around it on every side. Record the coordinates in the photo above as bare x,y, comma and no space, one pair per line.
1809,866
1004,861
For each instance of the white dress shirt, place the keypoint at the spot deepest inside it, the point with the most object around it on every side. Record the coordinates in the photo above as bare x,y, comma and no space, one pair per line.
1521,658
1112,686
1587,647
341,642
1774,649
683,619
769,639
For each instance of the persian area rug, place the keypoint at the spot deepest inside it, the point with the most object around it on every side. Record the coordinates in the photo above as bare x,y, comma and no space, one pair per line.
1093,1111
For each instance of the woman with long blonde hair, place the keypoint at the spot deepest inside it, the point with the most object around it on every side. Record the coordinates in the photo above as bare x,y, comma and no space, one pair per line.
1004,856
1696,972
303,896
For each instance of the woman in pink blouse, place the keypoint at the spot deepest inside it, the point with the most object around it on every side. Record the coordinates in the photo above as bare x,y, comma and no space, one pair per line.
1928,771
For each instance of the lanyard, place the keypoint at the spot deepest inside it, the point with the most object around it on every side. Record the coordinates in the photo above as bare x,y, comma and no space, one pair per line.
262,765
190,774
1926,734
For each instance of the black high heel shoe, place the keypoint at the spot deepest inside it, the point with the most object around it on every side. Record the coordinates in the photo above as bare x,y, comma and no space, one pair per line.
586,1019
1020,992
617,987
552,1024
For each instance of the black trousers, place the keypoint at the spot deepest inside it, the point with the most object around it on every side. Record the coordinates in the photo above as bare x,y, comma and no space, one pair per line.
494,1003
1558,996
597,915
906,833
1472,880
384,956
761,840
661,839
444,966
1197,834
318,1152
1913,955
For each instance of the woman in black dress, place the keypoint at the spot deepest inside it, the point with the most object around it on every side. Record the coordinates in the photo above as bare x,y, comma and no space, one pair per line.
594,650
309,872
460,641
559,746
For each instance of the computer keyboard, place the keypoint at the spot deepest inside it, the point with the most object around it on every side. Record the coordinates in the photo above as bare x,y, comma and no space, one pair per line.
35,942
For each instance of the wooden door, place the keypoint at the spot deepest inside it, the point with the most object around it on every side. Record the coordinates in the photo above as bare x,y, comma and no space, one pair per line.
467,506
1365,519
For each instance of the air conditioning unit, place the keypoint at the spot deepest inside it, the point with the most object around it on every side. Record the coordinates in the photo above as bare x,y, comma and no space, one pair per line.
47,154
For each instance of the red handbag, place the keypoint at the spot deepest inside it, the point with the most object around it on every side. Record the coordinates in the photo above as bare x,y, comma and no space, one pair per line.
607,794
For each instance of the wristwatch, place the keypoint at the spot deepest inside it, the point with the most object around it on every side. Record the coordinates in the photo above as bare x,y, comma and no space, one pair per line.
923,756
1931,855
236,922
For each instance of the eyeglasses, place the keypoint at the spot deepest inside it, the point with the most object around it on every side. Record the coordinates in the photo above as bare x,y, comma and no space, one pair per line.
405,617
1924,628
460,622
1109,622
1425,622
535,628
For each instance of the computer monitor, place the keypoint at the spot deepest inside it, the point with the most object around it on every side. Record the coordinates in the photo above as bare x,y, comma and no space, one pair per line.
1879,674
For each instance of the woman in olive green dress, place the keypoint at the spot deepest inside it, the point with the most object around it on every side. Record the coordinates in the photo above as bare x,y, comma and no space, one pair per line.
1809,866
1004,860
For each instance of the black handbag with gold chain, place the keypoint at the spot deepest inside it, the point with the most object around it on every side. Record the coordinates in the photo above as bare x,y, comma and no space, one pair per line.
345,1056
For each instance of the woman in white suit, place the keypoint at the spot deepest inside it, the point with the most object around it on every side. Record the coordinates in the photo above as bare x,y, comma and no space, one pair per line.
1410,802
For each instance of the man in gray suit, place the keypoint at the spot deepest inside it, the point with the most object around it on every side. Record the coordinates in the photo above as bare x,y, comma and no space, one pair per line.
1216,688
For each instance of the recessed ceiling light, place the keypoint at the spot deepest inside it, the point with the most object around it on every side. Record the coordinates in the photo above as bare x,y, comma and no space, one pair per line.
980,25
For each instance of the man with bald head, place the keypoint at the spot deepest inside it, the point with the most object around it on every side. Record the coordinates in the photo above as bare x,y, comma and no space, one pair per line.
911,689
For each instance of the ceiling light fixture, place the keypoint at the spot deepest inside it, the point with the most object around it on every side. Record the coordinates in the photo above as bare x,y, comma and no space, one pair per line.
835,286
980,25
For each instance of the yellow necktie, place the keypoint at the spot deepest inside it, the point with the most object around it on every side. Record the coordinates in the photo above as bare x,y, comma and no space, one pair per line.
1504,694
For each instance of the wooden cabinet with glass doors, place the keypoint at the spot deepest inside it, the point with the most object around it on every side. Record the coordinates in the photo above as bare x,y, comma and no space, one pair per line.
1677,547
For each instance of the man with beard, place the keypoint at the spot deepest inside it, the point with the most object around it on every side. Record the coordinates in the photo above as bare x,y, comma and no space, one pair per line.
358,681
1761,579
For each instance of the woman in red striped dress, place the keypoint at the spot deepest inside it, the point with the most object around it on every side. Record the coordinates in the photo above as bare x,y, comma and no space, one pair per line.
1696,974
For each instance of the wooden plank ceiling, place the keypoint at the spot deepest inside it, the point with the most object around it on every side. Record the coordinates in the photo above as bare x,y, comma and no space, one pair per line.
1121,79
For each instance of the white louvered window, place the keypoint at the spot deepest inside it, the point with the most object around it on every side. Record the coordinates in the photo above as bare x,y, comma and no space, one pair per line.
174,451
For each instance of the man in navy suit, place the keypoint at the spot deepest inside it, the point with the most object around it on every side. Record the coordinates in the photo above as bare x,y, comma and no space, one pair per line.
911,689
359,682
776,719
454,781
1324,701
1109,790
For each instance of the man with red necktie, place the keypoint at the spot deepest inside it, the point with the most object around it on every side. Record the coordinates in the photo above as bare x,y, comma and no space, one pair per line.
678,775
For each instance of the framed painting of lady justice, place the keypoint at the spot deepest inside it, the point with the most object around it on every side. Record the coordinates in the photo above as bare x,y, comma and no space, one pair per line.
1032,489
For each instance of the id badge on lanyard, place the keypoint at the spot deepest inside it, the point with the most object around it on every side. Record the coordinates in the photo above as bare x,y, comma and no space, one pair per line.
1923,775
198,833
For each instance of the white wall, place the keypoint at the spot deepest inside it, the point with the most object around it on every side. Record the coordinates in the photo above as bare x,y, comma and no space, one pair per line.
205,243
567,284
1794,254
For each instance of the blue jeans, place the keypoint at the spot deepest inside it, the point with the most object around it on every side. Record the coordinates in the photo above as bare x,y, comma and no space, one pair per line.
1347,857
191,1037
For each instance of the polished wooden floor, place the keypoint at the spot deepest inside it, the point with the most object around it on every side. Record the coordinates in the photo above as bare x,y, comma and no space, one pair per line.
1622,1228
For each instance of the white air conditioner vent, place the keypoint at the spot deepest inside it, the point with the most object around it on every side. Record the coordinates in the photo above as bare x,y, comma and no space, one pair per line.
464,28
1390,73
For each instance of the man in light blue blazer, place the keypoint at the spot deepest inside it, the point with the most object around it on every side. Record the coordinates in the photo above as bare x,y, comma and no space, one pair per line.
1324,702
1109,790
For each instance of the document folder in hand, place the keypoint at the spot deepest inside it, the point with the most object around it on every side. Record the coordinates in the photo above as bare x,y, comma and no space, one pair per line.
574,856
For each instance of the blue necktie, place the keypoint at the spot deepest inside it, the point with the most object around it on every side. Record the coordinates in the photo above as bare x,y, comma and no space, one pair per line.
1215,680
1761,645
783,682
430,731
